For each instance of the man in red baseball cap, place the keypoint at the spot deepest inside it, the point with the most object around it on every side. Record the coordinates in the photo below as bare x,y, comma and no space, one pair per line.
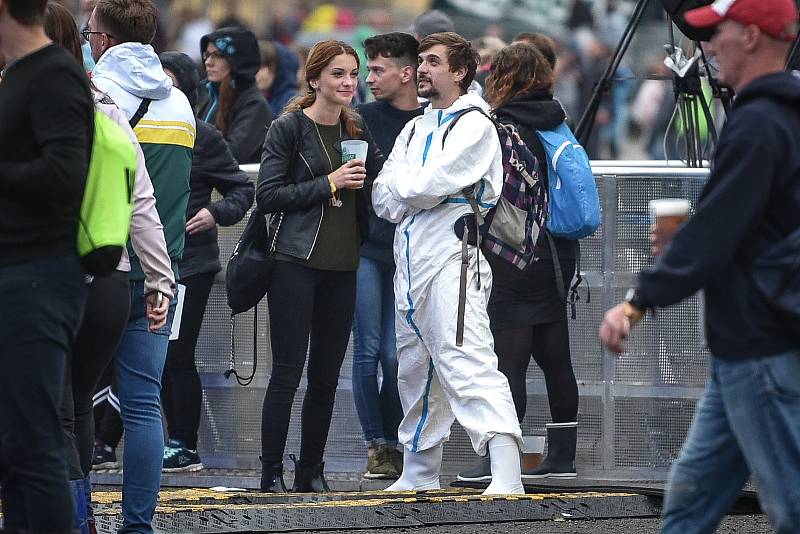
747,423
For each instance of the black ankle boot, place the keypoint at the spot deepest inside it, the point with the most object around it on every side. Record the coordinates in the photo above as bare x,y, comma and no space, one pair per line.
309,479
272,478
560,460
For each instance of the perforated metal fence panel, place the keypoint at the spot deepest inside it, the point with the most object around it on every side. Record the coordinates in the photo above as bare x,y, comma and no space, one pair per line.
635,408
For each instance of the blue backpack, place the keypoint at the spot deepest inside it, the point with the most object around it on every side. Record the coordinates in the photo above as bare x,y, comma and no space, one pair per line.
574,205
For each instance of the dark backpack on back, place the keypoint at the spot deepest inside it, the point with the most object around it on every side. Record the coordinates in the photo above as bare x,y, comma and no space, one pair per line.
511,229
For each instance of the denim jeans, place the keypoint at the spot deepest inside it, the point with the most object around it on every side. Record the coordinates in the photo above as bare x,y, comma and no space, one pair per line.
747,422
374,343
140,364
42,302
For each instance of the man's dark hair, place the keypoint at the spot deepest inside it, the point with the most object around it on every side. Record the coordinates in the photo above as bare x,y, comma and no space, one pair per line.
128,21
27,12
459,54
395,45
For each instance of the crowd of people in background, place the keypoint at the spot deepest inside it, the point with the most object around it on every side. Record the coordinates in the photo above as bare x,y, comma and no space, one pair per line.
359,247
627,125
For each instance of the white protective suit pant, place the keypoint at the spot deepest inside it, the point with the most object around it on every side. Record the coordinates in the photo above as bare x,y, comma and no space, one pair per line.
440,382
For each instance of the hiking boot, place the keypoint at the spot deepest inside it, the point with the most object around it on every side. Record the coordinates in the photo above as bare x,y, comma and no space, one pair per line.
380,465
178,458
396,457
480,472
104,457
560,460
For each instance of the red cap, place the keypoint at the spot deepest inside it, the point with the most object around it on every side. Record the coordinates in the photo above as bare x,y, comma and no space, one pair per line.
777,18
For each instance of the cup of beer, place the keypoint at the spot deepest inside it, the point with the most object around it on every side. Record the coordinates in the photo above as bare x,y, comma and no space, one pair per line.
666,214
532,451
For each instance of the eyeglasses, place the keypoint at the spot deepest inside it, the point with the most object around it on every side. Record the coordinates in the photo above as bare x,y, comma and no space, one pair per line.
215,54
86,32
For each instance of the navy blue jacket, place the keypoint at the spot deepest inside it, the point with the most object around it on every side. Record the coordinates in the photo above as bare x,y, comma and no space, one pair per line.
754,185
384,123
213,167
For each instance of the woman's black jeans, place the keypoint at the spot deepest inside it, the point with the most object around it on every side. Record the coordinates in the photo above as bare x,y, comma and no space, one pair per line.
181,388
106,315
305,304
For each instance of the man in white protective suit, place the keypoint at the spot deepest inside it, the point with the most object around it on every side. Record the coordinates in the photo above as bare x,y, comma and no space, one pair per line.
421,188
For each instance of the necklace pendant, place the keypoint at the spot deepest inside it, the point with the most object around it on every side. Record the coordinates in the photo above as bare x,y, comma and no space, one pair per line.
336,203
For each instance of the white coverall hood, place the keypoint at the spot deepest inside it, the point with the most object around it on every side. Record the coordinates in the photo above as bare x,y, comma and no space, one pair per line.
421,188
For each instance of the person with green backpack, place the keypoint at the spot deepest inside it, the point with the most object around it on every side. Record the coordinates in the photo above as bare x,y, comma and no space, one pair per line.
118,204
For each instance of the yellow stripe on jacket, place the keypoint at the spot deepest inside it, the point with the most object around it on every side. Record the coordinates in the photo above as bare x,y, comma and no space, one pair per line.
166,132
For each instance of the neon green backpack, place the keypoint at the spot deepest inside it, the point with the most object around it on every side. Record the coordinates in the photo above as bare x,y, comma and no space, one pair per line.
107,204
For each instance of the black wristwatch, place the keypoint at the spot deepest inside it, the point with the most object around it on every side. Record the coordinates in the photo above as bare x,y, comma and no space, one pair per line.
634,298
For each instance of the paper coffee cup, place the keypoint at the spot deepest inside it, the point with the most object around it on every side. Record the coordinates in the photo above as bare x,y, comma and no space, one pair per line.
532,451
354,149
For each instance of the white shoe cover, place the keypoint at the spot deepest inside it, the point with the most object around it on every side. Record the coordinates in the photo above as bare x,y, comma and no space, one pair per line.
506,472
420,470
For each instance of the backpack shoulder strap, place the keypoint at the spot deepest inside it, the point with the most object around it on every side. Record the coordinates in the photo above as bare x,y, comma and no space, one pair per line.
413,130
141,112
458,115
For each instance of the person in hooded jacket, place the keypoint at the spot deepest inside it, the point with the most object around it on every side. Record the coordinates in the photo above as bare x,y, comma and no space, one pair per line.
740,247
235,106
528,317
446,372
128,70
213,167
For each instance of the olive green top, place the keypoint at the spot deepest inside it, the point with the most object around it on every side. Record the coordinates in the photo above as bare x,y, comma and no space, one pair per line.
336,247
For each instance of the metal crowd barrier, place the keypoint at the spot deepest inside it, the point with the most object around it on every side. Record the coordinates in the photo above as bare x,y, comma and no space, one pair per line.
635,408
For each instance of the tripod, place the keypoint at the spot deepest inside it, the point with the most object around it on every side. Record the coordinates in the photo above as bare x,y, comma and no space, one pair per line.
584,129
689,96
691,102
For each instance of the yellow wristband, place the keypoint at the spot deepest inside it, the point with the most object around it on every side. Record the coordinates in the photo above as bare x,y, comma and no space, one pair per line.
333,186
633,313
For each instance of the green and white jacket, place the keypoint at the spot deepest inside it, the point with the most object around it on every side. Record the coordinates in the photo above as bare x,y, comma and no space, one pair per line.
128,73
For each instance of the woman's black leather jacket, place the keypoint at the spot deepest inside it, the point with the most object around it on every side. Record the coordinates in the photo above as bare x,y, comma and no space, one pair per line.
293,180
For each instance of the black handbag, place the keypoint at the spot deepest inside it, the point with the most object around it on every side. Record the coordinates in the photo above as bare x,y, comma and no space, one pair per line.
248,274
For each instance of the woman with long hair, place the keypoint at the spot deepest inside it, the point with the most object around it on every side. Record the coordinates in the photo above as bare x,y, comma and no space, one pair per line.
236,106
109,296
318,207
528,317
